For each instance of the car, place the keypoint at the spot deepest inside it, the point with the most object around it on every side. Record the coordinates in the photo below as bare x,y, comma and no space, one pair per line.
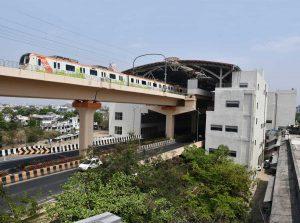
90,164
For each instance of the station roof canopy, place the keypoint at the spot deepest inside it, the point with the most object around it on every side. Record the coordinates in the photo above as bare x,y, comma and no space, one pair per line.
179,71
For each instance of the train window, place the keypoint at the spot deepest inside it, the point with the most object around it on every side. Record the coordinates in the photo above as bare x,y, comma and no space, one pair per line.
82,70
132,80
93,72
137,81
143,82
58,65
70,67
154,84
54,65
120,78
39,62
112,76
149,83
27,60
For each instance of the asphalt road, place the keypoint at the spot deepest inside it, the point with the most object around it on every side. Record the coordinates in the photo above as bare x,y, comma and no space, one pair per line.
15,164
40,188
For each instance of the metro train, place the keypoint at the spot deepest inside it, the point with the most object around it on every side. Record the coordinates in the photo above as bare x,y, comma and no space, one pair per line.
66,66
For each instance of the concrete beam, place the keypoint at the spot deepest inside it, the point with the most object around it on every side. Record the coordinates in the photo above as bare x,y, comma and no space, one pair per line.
22,83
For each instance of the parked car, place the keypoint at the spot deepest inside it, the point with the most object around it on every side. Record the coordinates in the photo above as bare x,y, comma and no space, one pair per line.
89,164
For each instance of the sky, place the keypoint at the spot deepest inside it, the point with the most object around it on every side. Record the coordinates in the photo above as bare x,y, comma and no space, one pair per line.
254,34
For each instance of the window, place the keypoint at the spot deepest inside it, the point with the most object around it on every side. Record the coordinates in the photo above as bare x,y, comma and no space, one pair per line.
58,65
93,72
103,74
82,70
257,86
39,62
232,104
216,127
229,128
131,80
137,81
256,120
232,153
70,67
243,85
154,84
263,125
257,105
120,78
149,83
112,76
118,130
54,65
118,115
159,85
143,82
269,121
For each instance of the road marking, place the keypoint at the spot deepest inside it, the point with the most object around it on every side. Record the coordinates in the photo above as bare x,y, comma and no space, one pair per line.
39,177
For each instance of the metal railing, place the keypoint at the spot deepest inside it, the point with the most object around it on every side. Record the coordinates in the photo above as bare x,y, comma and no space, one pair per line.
36,68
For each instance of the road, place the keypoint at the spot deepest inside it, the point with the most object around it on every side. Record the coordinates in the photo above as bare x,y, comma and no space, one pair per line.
43,187
40,188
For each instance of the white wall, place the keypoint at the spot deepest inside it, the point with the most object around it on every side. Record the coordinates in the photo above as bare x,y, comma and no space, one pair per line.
249,117
131,121
281,108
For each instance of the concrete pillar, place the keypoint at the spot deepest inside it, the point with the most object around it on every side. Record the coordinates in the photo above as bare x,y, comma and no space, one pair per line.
86,110
170,121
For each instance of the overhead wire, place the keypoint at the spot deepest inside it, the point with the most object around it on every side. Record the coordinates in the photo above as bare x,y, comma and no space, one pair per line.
76,33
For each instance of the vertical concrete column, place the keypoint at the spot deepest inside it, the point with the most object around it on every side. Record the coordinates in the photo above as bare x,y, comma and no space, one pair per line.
86,110
170,120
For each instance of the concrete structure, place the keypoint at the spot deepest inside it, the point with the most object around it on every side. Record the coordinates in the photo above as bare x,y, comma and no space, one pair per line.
281,108
238,119
125,119
298,109
106,217
285,196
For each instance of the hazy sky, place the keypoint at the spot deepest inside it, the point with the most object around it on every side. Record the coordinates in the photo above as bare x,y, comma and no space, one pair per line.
250,33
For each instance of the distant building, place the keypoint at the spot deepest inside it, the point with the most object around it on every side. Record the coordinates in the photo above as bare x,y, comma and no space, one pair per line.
281,110
298,109
22,119
238,119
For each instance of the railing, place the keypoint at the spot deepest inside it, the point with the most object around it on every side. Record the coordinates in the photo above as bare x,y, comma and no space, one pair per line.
36,68
156,145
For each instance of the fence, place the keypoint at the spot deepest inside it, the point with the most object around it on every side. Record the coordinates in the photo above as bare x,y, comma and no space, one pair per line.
38,149
157,145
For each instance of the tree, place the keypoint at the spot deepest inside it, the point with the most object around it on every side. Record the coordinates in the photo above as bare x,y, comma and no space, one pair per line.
70,114
18,208
192,188
98,117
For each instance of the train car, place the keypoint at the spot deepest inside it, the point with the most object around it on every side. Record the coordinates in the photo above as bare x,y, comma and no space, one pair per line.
66,66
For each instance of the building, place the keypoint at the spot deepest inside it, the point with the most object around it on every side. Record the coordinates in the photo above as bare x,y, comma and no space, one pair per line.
281,108
238,119
23,120
125,119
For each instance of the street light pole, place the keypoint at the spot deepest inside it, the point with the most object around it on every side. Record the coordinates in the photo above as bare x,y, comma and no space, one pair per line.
152,54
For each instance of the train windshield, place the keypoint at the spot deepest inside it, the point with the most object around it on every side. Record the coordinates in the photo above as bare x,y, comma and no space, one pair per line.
24,59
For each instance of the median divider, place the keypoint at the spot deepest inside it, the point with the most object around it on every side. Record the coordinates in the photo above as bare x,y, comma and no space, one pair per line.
42,149
26,175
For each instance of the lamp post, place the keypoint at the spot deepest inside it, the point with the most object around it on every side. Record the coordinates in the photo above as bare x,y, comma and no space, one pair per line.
152,54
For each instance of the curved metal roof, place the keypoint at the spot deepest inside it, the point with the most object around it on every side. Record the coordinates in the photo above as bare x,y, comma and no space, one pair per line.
179,71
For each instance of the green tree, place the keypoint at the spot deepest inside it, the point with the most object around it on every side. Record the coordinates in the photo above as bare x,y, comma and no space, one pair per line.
8,111
192,188
69,114
98,117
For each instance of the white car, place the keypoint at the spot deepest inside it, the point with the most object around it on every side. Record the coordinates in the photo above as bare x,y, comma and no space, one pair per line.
89,164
